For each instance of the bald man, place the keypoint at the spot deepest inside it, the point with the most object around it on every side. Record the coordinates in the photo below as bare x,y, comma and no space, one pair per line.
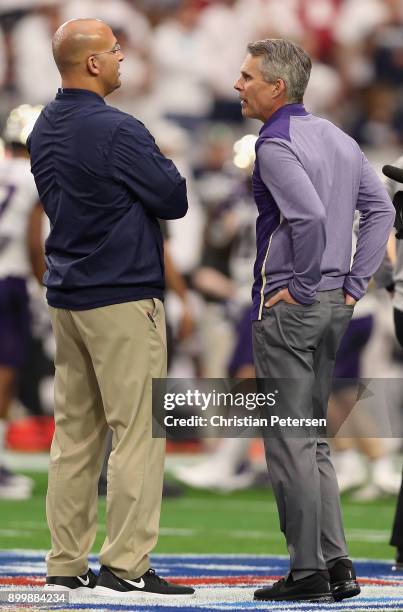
103,183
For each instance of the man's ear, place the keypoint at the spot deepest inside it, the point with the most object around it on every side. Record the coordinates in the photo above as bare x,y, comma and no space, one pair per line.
92,65
279,88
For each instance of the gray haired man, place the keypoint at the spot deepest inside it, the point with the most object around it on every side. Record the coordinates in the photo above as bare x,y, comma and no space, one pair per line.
309,178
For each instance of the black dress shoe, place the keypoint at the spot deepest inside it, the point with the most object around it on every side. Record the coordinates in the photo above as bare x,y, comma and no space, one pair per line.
315,587
343,581
398,565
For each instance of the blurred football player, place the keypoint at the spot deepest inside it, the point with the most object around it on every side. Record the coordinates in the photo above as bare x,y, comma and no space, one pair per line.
21,253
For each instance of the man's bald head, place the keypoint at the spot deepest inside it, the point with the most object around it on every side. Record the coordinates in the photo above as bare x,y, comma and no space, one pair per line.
77,39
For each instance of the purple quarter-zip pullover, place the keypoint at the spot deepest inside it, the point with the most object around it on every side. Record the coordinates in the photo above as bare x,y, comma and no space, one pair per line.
308,180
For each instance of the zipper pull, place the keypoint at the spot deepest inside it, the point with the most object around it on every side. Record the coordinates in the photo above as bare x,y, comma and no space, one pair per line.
149,315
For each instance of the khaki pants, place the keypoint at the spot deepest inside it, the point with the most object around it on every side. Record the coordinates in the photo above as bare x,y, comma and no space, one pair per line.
105,361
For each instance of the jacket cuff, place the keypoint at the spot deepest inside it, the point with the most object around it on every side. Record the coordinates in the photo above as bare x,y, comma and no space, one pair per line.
354,294
299,298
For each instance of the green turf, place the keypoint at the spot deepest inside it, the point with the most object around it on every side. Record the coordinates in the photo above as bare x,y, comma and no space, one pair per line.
204,522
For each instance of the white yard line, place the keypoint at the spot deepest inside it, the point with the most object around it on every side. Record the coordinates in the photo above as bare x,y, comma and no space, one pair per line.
12,533
355,535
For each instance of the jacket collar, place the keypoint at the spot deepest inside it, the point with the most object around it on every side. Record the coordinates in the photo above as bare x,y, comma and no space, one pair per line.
67,93
285,111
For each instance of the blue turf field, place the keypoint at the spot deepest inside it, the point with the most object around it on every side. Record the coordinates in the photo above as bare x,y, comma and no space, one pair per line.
223,582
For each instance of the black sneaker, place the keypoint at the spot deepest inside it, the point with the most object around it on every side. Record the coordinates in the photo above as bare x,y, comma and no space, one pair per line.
149,585
79,584
343,581
314,588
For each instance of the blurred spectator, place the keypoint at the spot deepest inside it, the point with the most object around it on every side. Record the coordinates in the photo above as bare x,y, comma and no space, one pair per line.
357,21
119,13
325,88
186,234
224,19
181,67
277,19
317,19
378,123
137,72
36,76
388,46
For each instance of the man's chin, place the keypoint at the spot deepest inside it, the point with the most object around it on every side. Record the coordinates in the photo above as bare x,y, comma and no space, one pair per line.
116,86
113,88
246,112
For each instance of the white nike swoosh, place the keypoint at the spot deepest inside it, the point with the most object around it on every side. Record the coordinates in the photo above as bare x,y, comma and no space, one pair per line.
139,584
84,582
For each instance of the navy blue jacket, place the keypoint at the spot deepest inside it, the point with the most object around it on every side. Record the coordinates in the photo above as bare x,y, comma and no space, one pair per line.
103,182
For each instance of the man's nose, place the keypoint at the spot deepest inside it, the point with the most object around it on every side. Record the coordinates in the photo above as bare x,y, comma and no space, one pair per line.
237,85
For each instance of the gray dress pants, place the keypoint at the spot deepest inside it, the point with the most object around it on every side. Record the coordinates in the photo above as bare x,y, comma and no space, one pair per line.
297,345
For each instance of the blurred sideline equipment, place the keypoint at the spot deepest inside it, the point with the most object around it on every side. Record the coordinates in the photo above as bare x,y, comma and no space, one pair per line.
395,174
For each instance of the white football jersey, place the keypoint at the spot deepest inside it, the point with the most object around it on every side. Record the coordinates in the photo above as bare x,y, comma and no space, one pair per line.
18,196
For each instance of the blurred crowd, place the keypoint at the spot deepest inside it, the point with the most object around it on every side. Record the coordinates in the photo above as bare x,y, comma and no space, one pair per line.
182,58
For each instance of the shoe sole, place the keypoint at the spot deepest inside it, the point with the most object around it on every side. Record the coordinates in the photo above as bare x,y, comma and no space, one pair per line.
325,598
345,590
78,591
100,591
